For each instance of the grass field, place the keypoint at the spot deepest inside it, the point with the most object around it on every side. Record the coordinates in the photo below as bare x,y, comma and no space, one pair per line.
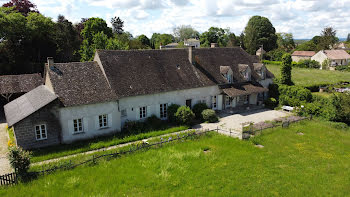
308,77
101,142
314,164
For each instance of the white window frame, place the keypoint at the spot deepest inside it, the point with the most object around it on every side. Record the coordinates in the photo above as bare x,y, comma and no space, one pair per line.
143,112
214,102
103,121
78,126
42,132
163,108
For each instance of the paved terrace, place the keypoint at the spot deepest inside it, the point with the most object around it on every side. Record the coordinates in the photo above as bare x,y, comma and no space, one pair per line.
232,120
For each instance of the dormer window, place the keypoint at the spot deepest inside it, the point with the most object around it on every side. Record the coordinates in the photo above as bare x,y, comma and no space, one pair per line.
245,71
227,73
260,69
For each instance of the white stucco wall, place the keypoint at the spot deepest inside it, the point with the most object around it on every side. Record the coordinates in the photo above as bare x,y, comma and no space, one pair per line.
319,57
298,58
152,102
89,114
266,82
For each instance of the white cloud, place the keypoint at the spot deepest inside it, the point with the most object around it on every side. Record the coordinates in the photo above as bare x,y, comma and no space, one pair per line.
303,18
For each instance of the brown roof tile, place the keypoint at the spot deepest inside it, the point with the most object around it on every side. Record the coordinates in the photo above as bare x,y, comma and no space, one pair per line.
10,84
337,54
80,83
304,53
241,89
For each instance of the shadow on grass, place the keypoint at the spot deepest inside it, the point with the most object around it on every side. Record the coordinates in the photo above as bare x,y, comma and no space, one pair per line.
98,143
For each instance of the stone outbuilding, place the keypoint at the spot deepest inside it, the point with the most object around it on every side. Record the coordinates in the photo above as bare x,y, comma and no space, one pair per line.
302,55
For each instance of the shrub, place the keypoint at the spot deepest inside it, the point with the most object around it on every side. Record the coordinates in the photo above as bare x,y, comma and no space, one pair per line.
271,103
293,95
198,109
343,68
286,70
19,160
172,109
184,115
209,115
134,127
154,123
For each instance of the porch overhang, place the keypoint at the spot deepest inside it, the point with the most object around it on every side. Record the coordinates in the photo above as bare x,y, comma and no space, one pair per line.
243,89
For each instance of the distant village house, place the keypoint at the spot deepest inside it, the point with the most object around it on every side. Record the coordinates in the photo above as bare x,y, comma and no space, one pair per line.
302,55
334,57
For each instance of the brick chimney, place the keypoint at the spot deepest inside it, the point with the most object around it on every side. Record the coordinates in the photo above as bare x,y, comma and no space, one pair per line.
191,55
214,45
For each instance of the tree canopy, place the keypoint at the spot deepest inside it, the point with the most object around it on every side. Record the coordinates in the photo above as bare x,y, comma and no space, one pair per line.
22,6
117,25
285,41
185,32
215,35
259,31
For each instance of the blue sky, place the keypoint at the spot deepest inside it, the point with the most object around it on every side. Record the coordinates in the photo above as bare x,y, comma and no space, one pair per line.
303,18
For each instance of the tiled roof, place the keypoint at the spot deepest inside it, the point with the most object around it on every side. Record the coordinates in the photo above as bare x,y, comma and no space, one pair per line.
10,84
241,89
28,103
337,54
80,83
141,72
304,53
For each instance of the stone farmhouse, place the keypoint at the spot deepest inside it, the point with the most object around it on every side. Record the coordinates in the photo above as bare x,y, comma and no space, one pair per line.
85,100
302,55
335,57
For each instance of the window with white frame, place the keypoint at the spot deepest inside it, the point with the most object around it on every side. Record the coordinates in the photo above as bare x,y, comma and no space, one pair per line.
78,125
40,132
123,113
163,110
143,112
103,121
214,102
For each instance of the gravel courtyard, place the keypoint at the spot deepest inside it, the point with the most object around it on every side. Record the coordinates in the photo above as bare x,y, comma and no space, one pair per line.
234,121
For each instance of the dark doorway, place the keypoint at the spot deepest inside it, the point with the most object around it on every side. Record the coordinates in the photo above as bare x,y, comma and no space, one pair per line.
189,103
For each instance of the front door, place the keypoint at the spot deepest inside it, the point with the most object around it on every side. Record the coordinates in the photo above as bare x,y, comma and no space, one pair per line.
189,103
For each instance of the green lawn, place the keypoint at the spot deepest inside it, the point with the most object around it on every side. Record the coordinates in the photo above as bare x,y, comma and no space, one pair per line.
308,77
323,94
98,143
314,164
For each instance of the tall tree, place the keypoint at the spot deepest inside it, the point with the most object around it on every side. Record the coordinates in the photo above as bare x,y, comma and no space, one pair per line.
161,39
117,25
215,35
22,6
67,39
144,40
185,32
328,38
285,41
348,38
259,31
232,40
286,70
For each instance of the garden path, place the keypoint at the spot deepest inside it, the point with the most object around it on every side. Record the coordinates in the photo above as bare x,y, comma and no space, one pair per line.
4,163
108,148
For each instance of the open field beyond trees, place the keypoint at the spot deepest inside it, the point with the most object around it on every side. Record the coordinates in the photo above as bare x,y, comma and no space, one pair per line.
309,77
290,164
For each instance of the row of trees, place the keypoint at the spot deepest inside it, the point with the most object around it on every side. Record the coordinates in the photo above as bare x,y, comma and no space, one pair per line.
27,38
